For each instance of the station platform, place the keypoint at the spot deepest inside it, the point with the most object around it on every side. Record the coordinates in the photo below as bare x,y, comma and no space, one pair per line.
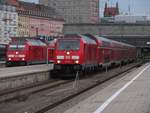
13,77
2,63
21,70
129,94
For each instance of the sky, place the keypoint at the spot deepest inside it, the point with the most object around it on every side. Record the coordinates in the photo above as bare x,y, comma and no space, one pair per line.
137,7
133,7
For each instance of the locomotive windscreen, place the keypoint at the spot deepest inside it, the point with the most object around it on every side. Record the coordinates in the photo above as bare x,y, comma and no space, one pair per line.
16,47
68,45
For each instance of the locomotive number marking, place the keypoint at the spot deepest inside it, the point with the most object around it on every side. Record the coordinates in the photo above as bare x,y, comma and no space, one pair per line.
68,57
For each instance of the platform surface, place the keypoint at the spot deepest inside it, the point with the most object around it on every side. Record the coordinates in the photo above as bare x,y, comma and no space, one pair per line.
130,94
2,62
21,70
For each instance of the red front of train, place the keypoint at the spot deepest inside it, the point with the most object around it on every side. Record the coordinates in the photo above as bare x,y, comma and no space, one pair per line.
27,51
75,52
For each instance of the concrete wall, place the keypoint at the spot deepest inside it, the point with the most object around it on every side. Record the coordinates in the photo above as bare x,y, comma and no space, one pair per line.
108,29
15,77
23,80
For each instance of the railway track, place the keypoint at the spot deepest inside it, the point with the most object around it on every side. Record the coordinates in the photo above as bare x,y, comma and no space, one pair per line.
65,91
79,92
22,93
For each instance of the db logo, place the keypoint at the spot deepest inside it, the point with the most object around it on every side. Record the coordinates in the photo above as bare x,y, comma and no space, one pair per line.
67,57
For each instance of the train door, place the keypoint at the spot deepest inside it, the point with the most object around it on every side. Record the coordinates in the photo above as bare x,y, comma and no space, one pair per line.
51,54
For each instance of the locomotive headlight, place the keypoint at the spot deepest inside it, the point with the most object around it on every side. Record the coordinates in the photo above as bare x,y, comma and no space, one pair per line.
68,53
77,61
9,59
16,52
58,61
23,59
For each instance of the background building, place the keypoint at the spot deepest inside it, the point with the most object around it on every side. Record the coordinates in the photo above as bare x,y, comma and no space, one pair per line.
2,1
23,24
35,19
128,19
76,11
111,11
8,22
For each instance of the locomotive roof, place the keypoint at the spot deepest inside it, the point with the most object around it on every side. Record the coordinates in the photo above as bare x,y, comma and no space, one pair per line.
32,41
88,40
122,44
104,41
36,42
76,36
113,41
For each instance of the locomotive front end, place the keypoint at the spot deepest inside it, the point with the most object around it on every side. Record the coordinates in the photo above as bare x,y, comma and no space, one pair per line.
16,54
68,54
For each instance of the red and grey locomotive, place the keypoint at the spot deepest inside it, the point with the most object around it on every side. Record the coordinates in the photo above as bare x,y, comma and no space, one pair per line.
75,52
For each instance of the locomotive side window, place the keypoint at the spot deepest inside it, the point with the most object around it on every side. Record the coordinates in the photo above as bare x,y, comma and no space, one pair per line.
68,45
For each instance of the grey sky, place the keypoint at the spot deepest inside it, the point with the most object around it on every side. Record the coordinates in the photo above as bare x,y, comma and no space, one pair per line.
137,7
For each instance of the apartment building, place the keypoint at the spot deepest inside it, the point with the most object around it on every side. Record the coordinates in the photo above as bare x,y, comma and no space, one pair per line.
8,22
35,19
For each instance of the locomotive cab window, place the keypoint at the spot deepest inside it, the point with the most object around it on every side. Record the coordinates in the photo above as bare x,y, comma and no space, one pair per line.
16,47
2,46
68,45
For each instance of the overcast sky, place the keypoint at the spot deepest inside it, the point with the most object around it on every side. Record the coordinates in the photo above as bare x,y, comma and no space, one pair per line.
137,7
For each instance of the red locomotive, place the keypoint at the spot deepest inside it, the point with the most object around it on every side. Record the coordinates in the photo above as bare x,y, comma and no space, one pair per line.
26,51
72,53
87,52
